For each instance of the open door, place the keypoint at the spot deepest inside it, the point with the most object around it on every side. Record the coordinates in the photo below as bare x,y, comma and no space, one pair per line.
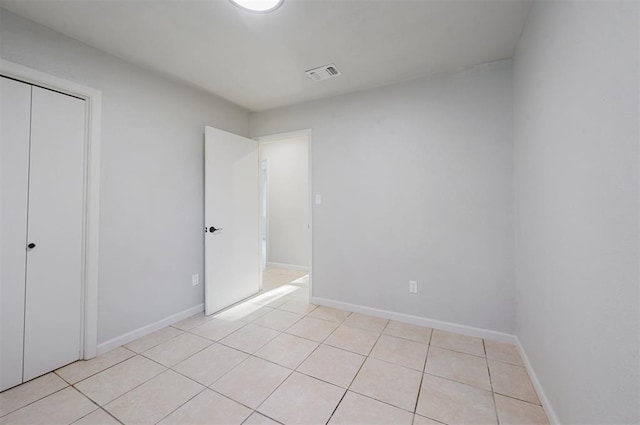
232,219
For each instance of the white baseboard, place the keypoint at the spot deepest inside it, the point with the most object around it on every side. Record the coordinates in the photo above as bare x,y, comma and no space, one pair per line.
417,320
546,404
146,330
288,266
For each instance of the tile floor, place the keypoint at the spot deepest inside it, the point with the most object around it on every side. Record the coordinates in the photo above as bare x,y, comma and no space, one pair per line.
279,359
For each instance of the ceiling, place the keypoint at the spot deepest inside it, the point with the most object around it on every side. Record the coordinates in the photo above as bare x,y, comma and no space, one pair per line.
258,60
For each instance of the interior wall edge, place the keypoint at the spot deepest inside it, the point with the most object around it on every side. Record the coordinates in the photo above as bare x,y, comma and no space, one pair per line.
537,385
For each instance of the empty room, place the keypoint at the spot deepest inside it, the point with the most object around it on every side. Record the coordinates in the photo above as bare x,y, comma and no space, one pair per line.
359,212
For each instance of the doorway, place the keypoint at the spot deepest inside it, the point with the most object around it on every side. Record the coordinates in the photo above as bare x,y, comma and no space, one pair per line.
285,227
264,261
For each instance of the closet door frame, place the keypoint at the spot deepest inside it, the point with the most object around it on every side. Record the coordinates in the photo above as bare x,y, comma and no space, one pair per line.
90,233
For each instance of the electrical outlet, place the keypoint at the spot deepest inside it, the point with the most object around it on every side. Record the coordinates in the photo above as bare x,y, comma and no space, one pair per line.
413,286
318,199
195,279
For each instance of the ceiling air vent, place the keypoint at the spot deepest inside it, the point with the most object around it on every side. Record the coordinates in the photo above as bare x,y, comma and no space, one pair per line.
323,72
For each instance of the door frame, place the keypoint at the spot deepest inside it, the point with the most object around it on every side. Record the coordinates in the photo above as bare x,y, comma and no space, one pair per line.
297,134
91,207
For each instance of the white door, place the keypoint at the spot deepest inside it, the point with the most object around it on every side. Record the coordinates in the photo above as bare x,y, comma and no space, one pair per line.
42,154
53,305
232,204
15,116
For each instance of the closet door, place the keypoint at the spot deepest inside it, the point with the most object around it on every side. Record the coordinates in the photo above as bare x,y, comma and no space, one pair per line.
53,305
15,115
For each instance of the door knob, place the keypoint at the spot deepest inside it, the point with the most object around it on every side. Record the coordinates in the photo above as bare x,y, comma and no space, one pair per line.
213,229
31,245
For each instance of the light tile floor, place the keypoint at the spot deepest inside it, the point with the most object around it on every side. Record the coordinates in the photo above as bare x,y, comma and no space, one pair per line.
276,358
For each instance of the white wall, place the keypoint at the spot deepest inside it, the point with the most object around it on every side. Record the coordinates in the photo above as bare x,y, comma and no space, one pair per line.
576,161
288,201
417,183
151,210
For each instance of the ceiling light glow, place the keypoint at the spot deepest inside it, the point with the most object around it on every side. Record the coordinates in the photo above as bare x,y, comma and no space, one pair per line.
258,5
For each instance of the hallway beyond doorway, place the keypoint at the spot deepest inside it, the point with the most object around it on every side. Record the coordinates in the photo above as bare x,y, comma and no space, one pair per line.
273,277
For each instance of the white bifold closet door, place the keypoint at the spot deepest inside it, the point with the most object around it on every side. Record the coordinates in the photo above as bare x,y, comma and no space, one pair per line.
42,198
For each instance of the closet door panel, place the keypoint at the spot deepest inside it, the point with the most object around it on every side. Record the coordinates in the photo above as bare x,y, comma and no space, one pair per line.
15,114
54,266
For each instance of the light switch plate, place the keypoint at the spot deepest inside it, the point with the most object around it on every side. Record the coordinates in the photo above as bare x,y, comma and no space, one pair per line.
413,286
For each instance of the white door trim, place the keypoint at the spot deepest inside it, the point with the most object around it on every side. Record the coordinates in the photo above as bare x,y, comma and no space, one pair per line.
296,135
93,102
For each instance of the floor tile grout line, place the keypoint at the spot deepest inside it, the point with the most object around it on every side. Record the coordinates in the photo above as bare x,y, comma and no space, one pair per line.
298,365
100,371
201,336
154,346
267,327
405,339
274,390
294,371
321,380
458,351
374,344
68,386
229,321
166,369
435,420
94,411
266,416
424,368
180,361
509,364
393,364
88,397
361,365
229,371
380,401
109,413
518,399
513,396
191,398
232,399
327,320
55,372
493,394
200,383
258,349
186,358
344,394
458,382
128,391
356,375
35,401
205,317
